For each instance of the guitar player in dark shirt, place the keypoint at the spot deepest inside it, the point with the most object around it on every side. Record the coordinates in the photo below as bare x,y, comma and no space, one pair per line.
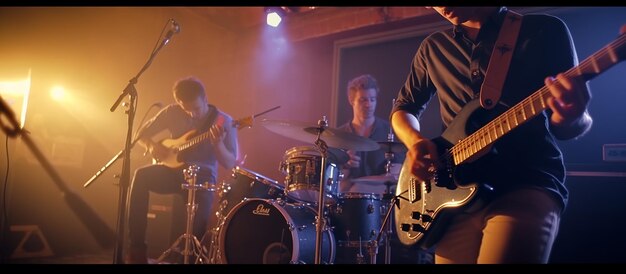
517,190
188,132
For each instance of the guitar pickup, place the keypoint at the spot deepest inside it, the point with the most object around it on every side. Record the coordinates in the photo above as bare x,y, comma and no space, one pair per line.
418,228
414,190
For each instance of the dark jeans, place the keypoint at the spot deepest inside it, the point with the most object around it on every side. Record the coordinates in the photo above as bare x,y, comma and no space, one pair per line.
163,180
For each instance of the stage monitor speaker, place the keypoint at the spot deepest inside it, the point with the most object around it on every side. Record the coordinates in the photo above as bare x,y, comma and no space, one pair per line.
166,222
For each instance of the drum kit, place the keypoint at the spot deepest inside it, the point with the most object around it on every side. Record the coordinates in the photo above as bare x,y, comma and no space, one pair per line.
304,219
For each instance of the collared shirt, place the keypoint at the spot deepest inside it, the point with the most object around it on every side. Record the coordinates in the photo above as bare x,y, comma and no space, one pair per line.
452,66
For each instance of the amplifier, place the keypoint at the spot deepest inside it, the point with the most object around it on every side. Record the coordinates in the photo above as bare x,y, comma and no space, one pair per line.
614,152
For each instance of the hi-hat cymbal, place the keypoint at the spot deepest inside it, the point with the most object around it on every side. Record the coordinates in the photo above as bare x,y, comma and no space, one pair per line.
393,147
308,132
377,179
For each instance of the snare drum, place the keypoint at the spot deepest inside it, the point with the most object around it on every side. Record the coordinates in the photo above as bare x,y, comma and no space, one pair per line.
302,167
247,184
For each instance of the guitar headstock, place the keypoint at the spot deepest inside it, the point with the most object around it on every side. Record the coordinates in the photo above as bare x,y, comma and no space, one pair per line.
244,122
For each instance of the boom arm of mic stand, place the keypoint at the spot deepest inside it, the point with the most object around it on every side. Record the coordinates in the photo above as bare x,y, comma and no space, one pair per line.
108,164
130,88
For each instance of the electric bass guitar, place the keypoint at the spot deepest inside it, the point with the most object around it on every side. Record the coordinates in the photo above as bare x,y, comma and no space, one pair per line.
424,207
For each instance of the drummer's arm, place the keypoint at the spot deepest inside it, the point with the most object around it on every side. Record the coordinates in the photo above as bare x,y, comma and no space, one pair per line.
345,184
353,162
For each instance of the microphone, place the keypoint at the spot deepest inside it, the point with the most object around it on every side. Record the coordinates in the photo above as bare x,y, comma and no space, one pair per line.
175,25
175,28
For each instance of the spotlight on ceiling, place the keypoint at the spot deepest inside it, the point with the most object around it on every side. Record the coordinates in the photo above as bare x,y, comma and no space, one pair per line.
274,15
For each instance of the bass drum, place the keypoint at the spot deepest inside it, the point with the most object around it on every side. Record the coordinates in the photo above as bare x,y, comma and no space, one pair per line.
266,231
246,184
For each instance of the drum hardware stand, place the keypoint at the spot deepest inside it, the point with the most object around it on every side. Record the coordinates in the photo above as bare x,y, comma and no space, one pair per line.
191,244
360,259
214,251
320,223
389,155
386,228
372,248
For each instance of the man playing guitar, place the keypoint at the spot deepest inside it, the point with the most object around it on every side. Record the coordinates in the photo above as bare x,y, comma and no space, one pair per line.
514,185
202,135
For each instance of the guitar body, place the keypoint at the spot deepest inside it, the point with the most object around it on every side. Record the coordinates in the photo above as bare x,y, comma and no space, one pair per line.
423,208
174,147
172,158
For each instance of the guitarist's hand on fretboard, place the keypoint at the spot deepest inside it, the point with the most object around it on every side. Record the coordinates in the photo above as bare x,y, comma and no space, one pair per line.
216,134
569,100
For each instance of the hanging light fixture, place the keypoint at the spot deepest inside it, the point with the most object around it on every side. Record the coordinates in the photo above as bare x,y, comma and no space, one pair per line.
274,15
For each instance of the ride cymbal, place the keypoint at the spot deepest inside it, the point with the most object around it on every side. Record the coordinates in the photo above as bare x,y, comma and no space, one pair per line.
308,132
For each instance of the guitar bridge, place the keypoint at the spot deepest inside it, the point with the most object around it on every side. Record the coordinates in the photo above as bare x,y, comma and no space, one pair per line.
414,190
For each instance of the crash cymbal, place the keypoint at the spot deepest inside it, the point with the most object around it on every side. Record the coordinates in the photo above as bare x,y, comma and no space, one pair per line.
393,147
307,132
377,179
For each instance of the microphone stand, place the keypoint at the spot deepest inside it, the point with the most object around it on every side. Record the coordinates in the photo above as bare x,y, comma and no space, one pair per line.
117,156
125,175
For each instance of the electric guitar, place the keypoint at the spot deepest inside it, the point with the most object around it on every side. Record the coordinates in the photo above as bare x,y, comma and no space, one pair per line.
188,140
424,207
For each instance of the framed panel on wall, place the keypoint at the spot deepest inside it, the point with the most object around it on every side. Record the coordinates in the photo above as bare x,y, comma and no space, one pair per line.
386,56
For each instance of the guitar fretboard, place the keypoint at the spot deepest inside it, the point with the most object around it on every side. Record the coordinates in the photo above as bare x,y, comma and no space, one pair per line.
193,141
531,106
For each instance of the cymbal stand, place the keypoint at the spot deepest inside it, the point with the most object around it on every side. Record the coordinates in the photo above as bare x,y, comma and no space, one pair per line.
214,249
388,196
320,222
386,228
191,244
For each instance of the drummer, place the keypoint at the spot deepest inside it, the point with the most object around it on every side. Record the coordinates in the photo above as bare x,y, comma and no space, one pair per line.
362,92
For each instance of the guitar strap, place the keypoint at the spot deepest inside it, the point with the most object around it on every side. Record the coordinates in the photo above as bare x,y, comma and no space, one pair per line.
498,67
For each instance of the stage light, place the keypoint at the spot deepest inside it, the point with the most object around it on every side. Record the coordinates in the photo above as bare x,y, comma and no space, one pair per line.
58,93
15,93
274,16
